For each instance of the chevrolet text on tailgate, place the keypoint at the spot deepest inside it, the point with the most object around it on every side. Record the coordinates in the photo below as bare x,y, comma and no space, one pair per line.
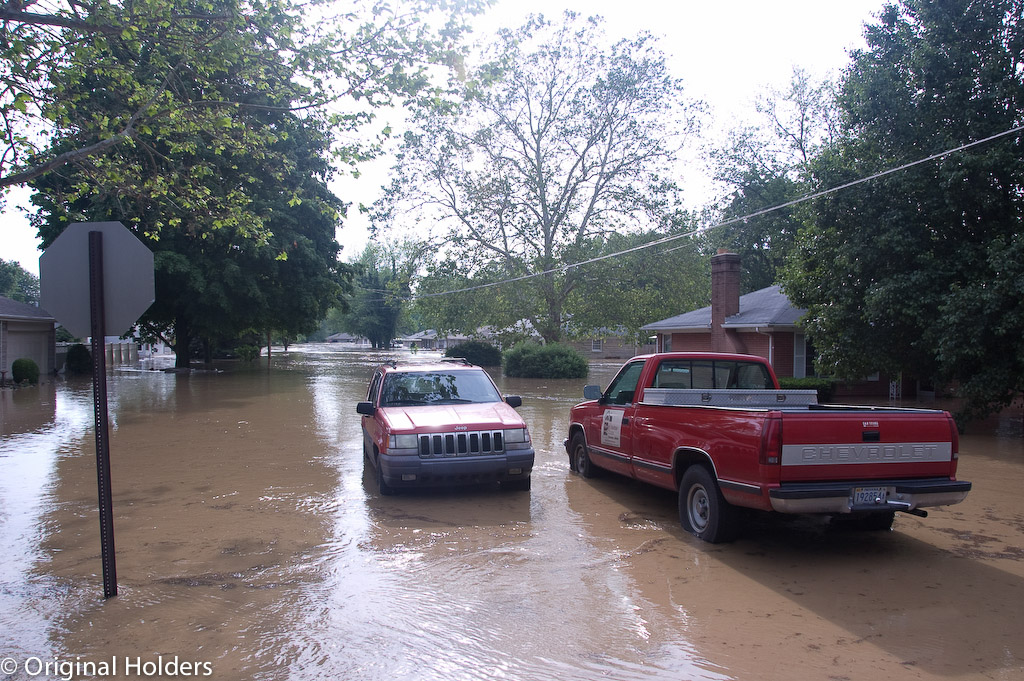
430,425
717,428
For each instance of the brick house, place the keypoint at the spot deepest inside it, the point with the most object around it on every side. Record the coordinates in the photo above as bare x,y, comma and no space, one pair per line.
609,344
762,323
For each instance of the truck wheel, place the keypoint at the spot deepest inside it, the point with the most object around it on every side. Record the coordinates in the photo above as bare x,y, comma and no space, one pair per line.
702,509
580,459
385,489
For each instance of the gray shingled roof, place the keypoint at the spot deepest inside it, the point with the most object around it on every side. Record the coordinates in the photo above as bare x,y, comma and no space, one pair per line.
12,309
767,307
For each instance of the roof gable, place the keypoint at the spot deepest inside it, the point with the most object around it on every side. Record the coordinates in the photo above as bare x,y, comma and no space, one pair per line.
766,307
12,309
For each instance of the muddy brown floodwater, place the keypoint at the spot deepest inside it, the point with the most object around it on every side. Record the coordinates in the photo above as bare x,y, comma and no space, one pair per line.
251,544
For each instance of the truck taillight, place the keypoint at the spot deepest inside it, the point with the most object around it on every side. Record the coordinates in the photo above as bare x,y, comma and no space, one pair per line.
771,440
954,435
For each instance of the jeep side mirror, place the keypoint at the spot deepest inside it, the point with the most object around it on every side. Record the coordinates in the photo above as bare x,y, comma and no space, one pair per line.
592,392
514,401
365,408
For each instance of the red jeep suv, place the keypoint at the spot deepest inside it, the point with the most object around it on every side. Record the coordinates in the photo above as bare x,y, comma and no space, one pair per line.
430,425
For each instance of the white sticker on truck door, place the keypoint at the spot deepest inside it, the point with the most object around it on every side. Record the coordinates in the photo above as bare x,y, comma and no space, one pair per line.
611,428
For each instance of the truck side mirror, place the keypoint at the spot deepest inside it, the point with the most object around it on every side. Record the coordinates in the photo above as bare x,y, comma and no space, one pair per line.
592,392
514,401
365,408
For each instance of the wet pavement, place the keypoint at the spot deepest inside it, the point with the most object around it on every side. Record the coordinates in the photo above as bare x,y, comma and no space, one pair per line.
251,544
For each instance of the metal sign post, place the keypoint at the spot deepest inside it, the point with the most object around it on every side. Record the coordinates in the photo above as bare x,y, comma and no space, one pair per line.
97,278
102,416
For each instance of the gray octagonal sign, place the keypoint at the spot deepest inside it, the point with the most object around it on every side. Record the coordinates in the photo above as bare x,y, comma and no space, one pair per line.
128,288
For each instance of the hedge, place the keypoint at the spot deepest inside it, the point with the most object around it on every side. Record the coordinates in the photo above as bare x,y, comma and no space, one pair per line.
530,360
476,352
825,386
25,370
79,360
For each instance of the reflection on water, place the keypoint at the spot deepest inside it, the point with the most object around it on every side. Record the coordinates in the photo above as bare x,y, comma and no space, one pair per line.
250,535
33,441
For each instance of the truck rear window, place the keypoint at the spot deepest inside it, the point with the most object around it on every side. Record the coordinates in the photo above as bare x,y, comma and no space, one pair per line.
704,374
414,388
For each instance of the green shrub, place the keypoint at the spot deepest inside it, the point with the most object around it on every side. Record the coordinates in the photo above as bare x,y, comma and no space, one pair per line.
79,360
248,353
25,370
530,360
825,386
476,352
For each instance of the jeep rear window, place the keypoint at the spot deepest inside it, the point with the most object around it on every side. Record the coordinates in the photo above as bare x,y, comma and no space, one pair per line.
414,388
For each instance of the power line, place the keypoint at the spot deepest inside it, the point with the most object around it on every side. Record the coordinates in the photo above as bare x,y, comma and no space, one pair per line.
700,230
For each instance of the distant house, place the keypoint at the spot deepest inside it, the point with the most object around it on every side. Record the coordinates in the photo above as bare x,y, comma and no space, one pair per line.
432,340
348,339
609,344
26,332
762,323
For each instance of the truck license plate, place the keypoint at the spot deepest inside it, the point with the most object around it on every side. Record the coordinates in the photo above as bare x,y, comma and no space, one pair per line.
870,496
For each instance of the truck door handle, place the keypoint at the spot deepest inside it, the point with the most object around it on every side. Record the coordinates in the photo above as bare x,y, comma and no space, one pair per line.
625,420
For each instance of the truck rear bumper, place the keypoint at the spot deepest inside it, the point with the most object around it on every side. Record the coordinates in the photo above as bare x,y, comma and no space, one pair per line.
867,495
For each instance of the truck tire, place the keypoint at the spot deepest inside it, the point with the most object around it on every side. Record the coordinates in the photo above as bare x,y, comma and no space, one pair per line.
580,461
702,509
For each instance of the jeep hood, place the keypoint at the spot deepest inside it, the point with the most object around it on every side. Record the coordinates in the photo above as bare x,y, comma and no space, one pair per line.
450,417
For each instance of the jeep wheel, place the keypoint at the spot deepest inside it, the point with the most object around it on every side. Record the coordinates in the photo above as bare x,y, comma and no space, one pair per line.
384,488
702,509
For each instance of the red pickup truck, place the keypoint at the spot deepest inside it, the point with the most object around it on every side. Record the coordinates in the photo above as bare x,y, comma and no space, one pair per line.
717,428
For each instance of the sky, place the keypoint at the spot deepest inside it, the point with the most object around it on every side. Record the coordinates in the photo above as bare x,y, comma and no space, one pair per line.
727,52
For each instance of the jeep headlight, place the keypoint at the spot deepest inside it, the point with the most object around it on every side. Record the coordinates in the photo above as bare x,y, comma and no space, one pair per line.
406,441
516,435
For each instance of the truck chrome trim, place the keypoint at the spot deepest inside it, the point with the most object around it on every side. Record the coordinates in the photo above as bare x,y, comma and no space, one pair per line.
652,465
835,497
866,453
740,487
606,453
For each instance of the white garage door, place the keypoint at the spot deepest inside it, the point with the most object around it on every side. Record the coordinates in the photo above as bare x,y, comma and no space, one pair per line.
27,344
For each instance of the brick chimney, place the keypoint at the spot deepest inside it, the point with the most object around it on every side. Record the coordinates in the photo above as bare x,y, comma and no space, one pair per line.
725,297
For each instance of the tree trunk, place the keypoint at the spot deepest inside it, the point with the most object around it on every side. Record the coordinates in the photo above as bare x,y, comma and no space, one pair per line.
182,341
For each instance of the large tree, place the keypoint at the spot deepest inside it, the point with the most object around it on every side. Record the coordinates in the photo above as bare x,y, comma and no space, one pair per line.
561,139
381,291
17,283
164,63
231,146
214,284
920,270
765,164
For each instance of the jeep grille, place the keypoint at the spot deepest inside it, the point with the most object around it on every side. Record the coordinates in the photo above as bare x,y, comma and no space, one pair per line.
461,444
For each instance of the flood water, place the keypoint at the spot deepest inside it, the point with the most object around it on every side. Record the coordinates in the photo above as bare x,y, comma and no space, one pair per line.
251,544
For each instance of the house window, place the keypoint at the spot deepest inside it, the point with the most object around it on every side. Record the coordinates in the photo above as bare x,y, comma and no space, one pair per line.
596,345
666,341
799,356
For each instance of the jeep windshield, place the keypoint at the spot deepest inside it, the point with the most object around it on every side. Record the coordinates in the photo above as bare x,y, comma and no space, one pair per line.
415,388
